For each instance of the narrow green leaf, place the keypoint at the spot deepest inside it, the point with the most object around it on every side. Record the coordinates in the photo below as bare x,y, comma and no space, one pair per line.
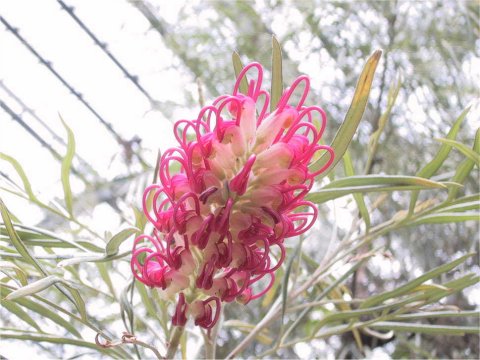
20,313
105,274
324,293
111,250
425,328
36,236
19,169
79,303
432,167
382,122
66,166
29,195
347,130
349,172
464,169
457,201
263,336
238,67
126,307
43,311
360,180
55,340
446,217
324,195
146,300
371,183
17,243
455,286
21,275
277,77
377,299
466,206
438,314
34,287
140,219
114,243
469,153
46,282
79,258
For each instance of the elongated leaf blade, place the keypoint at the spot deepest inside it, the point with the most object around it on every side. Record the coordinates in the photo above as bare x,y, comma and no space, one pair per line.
466,206
20,313
324,195
21,275
426,328
277,74
438,314
447,217
23,176
377,299
362,207
469,153
17,242
263,336
432,167
238,67
347,130
366,180
55,340
382,122
43,311
66,166
46,282
464,169
114,243
34,287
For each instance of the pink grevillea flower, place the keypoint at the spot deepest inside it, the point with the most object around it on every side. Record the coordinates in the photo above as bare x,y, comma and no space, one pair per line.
221,220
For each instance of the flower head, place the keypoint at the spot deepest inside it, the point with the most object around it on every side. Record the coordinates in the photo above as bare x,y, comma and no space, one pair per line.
221,220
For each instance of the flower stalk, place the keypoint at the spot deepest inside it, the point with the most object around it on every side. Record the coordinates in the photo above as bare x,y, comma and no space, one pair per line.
174,341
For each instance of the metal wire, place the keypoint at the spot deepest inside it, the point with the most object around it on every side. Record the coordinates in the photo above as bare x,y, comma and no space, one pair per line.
127,145
102,45
28,110
37,137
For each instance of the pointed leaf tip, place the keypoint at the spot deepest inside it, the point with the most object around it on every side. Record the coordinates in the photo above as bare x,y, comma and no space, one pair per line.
353,117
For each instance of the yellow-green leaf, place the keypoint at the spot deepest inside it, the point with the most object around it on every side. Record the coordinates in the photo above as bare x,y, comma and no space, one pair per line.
347,130
238,67
19,169
446,217
277,75
34,287
362,207
426,328
469,153
464,169
114,243
66,166
432,167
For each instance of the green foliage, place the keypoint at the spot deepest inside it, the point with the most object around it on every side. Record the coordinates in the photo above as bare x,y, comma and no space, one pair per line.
66,166
63,281
349,126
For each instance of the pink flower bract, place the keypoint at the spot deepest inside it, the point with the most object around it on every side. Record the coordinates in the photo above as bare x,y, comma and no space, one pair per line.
220,221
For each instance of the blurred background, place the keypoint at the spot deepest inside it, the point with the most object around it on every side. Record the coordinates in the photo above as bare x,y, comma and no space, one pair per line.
120,73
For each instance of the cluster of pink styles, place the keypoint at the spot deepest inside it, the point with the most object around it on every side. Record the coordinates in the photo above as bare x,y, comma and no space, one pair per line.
220,221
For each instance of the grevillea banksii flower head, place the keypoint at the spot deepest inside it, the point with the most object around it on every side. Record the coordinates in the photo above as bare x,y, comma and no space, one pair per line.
221,220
